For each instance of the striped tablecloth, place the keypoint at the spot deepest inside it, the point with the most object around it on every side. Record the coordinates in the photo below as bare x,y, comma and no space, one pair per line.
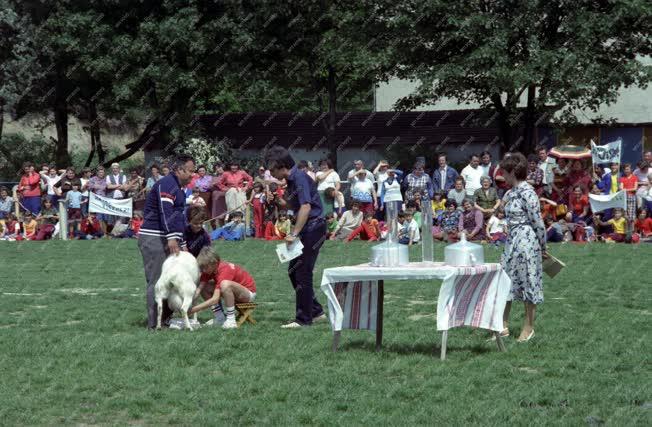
469,296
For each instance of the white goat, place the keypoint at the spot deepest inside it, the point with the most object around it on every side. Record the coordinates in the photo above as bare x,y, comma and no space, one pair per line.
177,285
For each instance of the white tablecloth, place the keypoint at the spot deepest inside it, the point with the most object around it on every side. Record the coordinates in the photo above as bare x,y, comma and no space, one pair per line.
469,296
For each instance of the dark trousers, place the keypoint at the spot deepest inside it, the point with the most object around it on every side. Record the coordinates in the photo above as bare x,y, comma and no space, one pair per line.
300,272
154,252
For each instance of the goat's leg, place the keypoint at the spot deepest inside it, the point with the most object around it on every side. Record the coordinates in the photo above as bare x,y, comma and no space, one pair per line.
159,307
185,306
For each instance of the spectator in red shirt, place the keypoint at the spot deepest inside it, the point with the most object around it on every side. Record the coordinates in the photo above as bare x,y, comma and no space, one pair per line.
368,230
643,225
235,183
231,284
30,189
579,204
629,183
90,228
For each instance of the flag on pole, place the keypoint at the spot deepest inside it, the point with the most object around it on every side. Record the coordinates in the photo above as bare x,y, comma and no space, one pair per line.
105,205
608,153
602,202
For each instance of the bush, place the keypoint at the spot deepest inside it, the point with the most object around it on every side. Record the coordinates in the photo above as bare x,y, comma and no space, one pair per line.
37,150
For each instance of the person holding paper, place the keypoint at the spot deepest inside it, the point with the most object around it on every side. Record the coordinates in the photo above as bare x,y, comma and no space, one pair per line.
526,243
302,197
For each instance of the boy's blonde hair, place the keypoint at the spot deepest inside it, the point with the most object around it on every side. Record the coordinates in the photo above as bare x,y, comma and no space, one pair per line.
207,257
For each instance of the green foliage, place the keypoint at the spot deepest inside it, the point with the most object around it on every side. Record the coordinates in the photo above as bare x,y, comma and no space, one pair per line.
75,349
17,149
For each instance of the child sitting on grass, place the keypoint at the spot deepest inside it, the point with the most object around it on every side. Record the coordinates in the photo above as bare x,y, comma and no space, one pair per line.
643,226
556,231
29,225
11,229
450,221
6,206
90,228
438,207
497,227
222,281
196,237
233,230
331,223
368,230
619,224
47,220
133,228
409,233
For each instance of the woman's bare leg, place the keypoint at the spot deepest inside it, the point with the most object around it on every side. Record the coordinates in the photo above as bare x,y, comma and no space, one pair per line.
528,322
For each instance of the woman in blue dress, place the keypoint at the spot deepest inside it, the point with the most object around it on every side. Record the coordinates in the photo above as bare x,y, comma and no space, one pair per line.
526,243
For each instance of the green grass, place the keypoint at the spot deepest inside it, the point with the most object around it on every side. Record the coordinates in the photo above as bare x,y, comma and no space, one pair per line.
74,349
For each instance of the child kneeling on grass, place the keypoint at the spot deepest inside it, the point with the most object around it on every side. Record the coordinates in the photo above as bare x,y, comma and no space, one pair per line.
222,280
619,224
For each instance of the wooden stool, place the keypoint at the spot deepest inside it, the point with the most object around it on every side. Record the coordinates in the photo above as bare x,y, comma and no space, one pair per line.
245,312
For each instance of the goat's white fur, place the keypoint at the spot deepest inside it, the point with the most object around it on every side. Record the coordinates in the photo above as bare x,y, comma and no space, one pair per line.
177,285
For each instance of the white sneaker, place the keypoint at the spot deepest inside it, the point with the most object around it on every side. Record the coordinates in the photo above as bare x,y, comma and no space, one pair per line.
292,325
229,324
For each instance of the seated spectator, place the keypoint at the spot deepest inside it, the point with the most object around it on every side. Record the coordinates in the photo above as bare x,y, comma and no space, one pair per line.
619,224
486,198
579,205
196,199
155,176
501,184
471,222
349,221
556,231
577,176
233,230
331,223
458,193
203,182
413,208
6,206
497,227
328,200
535,174
47,220
450,221
409,232
74,204
222,281
643,226
548,207
90,228
11,229
132,228
280,228
29,225
195,236
368,230
438,206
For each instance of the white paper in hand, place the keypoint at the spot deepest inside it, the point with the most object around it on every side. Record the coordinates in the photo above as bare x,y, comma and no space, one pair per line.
289,252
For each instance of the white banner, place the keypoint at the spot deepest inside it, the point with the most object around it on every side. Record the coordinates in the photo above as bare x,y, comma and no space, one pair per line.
608,201
608,153
105,205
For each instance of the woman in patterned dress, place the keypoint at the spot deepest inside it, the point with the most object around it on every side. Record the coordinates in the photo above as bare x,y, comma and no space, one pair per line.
526,243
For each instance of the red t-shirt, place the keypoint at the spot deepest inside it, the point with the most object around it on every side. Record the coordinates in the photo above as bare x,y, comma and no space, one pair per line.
578,204
31,185
644,226
629,183
233,272
370,228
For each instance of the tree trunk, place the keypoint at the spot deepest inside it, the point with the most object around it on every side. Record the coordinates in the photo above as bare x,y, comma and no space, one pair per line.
529,140
62,157
153,129
332,115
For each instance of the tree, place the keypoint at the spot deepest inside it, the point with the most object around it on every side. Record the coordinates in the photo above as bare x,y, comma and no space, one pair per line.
561,56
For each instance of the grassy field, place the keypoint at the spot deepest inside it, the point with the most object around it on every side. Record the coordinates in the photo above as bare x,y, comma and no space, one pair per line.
74,349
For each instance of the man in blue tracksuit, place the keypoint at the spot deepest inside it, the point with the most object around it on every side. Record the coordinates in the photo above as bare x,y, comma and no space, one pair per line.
162,231
302,198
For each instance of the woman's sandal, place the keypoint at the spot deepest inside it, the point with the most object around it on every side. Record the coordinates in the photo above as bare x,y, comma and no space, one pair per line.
529,337
503,334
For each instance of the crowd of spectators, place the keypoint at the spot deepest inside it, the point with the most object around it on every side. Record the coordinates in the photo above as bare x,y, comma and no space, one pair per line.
231,204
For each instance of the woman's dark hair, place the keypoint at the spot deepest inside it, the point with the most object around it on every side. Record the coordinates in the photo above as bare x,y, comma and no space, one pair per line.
154,166
532,158
258,185
515,163
355,204
627,165
485,152
328,162
278,157
467,200
330,192
451,203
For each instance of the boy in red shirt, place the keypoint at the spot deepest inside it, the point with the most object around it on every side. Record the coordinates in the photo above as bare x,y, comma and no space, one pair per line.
90,227
368,230
231,283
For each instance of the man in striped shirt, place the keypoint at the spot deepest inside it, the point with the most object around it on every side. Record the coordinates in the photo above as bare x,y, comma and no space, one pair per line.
162,231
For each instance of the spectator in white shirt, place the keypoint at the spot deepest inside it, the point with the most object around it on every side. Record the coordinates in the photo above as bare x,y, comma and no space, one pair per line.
358,166
326,178
380,173
472,174
51,177
547,164
485,164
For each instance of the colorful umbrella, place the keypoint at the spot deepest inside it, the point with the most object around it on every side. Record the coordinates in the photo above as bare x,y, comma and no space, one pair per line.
570,152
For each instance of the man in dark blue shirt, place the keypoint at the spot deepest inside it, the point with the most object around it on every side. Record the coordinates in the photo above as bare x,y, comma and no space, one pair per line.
162,231
310,227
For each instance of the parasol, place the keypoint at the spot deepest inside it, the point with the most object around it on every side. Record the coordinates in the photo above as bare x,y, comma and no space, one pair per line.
573,152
